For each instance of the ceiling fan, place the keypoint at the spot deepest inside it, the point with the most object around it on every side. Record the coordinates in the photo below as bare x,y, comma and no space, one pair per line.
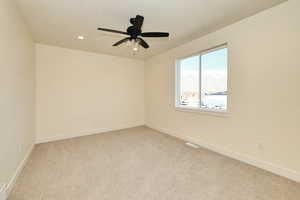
135,33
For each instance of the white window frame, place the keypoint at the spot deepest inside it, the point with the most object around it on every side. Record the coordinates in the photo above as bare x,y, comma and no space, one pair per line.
180,107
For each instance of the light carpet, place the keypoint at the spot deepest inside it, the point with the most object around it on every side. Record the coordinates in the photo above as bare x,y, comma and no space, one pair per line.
142,164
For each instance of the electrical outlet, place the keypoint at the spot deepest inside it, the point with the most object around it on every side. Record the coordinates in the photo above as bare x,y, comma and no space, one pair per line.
260,147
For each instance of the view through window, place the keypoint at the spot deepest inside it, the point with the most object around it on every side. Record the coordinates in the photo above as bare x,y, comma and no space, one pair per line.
202,80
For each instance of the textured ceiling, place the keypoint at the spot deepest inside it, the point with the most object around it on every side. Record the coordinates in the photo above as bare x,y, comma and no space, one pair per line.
59,22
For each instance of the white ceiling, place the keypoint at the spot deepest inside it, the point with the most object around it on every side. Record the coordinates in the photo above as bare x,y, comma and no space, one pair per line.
59,22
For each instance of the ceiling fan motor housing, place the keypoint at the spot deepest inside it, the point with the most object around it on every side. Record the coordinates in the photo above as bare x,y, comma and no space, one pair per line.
136,29
133,31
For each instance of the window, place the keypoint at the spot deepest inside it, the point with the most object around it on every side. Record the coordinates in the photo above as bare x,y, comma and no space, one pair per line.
201,81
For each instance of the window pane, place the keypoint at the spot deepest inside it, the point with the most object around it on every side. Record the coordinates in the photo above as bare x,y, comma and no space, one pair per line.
189,81
214,80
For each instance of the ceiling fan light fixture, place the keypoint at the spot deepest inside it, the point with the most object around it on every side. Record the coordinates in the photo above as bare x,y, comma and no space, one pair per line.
129,43
136,45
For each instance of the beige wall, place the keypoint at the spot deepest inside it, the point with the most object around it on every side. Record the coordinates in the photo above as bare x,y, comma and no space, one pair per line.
16,90
81,93
264,85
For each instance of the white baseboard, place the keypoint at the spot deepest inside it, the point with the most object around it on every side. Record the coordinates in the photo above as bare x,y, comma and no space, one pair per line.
13,180
82,133
281,171
2,191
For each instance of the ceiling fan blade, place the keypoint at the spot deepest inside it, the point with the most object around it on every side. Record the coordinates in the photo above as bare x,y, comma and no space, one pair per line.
143,43
155,34
112,31
121,41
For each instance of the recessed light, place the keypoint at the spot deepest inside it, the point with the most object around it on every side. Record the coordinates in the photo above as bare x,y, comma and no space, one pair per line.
80,37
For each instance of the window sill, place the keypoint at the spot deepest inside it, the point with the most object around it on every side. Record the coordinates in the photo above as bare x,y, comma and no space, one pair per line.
216,113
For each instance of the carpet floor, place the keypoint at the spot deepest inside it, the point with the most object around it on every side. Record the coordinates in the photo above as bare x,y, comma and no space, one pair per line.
142,164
